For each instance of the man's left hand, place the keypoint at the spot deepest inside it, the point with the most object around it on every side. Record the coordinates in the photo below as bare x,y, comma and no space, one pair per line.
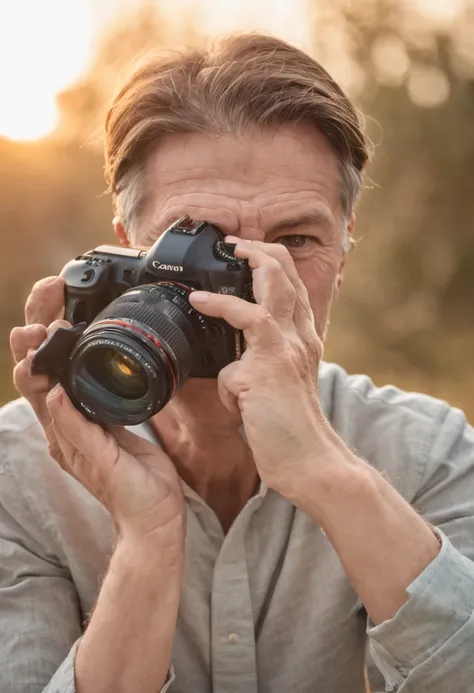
274,384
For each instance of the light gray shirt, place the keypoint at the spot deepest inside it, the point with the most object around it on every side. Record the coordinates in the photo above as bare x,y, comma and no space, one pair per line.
266,607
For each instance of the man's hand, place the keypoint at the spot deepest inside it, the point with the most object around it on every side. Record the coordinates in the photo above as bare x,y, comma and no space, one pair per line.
274,385
134,479
381,541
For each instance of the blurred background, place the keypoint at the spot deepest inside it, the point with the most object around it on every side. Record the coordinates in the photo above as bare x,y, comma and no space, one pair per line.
406,312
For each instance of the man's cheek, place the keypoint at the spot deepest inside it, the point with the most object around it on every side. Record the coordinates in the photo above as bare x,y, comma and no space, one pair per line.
320,280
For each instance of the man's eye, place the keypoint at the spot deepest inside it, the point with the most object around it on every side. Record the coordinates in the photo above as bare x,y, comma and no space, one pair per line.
296,240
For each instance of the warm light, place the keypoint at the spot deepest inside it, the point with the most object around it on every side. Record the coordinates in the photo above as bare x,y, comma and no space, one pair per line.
442,11
427,86
390,58
44,46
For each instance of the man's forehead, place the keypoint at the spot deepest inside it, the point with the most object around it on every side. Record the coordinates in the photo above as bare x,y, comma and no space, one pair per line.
205,177
295,152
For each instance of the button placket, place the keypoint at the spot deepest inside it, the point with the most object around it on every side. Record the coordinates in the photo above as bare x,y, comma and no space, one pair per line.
234,666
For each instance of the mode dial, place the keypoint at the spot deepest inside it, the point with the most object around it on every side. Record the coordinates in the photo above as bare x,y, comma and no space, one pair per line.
225,251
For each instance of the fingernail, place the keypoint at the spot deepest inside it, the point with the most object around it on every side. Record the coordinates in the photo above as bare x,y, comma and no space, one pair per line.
31,327
199,296
50,280
56,394
232,239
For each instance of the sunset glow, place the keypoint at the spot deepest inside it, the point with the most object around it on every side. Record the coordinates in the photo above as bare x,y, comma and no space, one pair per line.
46,45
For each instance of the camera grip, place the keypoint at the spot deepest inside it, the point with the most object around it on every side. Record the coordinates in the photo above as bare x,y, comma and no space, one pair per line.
53,355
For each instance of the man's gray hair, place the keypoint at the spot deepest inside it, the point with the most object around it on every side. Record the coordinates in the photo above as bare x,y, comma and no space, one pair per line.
244,82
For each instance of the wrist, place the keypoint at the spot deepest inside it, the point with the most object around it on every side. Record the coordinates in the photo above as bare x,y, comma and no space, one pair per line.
149,552
333,479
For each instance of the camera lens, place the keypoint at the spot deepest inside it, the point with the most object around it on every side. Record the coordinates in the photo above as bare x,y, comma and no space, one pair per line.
133,357
120,374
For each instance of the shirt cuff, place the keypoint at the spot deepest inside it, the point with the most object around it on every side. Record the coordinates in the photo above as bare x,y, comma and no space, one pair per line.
169,679
441,601
63,680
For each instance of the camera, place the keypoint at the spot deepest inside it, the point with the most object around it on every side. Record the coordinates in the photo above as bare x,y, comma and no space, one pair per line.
135,338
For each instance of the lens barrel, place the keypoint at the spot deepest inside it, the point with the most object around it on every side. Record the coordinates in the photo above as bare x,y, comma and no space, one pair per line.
137,352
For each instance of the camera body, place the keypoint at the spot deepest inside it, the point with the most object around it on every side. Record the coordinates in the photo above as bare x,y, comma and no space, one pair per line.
191,253
135,303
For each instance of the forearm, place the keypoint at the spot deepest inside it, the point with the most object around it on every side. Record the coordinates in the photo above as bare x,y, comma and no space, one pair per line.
380,539
127,644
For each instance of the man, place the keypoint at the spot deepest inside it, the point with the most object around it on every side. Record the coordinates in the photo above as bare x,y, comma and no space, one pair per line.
238,541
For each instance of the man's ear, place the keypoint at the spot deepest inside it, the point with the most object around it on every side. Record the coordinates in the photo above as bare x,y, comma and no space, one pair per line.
340,273
120,232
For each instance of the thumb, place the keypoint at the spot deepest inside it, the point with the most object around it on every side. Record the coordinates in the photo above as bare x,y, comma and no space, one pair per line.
76,434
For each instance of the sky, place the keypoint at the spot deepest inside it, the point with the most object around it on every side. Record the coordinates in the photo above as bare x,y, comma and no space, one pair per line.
45,45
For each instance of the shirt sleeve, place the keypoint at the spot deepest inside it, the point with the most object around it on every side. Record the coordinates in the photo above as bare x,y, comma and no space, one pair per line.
429,644
40,613
40,621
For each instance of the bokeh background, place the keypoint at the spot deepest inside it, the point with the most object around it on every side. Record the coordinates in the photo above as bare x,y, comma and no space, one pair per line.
406,313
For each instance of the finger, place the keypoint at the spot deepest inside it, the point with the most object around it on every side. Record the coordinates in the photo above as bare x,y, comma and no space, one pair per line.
45,302
272,287
55,324
246,250
33,387
26,383
24,338
226,387
148,452
257,323
81,441
275,250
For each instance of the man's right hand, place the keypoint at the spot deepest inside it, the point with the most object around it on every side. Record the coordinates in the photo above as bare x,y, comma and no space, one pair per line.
131,477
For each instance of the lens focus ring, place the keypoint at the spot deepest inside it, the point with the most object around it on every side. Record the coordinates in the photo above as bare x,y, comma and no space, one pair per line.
135,354
166,327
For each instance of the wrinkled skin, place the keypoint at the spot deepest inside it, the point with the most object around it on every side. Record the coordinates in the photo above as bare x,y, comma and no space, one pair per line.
279,190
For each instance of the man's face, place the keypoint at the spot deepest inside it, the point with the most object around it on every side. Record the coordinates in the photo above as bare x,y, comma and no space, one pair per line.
280,187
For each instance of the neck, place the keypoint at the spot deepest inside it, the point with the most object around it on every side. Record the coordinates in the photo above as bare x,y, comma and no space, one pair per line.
204,441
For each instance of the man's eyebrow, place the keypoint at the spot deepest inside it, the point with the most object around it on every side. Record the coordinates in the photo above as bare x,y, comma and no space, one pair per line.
315,217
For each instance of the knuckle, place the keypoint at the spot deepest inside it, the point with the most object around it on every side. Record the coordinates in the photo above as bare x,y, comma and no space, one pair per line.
17,341
26,337
56,324
16,334
305,354
46,299
19,376
273,266
262,316
22,380
281,252
41,284
26,383
233,382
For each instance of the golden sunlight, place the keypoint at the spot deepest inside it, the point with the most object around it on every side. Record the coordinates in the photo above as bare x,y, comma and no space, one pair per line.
44,46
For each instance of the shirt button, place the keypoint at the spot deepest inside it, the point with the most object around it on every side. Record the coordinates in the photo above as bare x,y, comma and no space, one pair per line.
233,638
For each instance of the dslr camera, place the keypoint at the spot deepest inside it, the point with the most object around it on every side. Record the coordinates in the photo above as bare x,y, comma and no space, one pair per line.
135,338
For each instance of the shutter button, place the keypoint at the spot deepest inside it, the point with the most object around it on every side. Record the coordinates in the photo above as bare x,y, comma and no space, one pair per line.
87,276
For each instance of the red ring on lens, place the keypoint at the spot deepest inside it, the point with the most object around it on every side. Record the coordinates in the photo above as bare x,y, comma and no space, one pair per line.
170,283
